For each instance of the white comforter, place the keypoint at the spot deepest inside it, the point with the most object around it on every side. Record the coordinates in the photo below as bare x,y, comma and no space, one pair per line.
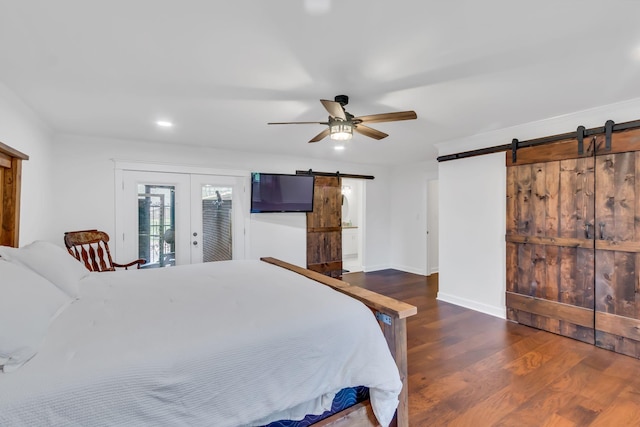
217,344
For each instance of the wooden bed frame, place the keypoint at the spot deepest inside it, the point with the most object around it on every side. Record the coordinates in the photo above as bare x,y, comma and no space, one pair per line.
391,313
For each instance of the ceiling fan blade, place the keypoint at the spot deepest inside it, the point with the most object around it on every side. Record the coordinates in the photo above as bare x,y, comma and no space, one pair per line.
386,117
370,132
298,123
334,108
320,136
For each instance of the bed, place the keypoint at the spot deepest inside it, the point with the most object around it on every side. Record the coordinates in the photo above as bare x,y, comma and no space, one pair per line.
221,344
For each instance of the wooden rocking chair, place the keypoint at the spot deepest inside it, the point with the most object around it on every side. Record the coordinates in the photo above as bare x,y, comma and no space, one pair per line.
92,248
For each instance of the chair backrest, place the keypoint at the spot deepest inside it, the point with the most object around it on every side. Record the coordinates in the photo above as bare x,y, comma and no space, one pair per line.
90,247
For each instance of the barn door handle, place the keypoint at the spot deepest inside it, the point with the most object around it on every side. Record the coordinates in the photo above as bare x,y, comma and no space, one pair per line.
592,146
602,224
587,230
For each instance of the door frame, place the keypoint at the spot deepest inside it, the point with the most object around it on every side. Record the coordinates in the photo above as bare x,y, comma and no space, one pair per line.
118,247
432,225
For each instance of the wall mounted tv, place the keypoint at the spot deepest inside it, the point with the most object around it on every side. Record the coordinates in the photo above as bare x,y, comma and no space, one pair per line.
272,192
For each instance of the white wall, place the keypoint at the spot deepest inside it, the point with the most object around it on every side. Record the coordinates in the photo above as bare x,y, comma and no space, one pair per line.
472,207
472,218
85,175
279,235
377,214
407,199
21,129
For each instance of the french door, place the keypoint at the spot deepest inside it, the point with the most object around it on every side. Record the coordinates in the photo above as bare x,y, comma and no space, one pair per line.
178,218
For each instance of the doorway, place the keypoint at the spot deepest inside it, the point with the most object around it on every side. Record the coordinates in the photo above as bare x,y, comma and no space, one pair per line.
352,224
180,218
433,198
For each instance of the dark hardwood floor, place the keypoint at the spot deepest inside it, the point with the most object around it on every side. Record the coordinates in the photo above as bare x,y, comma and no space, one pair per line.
470,369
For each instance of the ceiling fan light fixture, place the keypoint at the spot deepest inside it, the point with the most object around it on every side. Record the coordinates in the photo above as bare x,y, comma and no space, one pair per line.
341,123
341,131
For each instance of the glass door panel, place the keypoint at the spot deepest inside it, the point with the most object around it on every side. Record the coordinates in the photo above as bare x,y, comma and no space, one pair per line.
216,218
156,225
217,223
155,221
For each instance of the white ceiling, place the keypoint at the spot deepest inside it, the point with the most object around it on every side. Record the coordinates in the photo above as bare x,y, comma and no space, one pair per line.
220,70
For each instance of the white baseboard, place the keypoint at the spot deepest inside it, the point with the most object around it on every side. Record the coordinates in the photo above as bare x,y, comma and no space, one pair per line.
408,269
433,270
500,312
352,268
370,268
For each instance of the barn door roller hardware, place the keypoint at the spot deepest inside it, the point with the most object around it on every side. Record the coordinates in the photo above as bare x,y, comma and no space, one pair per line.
514,150
608,129
580,137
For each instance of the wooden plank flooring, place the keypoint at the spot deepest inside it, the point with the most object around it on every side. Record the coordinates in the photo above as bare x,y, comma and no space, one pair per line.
471,369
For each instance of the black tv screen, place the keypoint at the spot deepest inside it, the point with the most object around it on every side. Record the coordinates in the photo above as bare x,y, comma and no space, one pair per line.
271,192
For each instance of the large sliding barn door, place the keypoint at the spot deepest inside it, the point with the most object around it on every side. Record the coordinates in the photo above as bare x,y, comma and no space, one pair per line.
550,225
573,240
324,227
618,246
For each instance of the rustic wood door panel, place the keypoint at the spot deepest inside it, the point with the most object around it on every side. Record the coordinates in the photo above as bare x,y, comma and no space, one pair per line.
550,226
618,252
10,181
324,227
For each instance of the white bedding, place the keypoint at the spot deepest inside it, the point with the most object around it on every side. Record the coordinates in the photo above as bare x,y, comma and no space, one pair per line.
215,344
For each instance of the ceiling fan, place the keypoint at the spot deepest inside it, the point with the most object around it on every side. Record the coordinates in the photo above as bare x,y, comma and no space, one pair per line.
341,123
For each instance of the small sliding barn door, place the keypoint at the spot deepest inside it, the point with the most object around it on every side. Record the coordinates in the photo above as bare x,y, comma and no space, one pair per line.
618,246
324,227
550,230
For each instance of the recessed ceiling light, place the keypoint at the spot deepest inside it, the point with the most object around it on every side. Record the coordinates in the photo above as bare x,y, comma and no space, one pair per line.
338,147
164,123
317,7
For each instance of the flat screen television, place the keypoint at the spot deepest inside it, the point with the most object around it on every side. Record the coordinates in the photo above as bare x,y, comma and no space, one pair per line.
272,192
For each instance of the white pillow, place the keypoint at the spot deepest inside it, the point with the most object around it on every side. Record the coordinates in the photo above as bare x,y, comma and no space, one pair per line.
28,304
51,262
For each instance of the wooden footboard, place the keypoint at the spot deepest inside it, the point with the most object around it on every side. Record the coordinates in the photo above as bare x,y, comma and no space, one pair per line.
359,415
391,315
